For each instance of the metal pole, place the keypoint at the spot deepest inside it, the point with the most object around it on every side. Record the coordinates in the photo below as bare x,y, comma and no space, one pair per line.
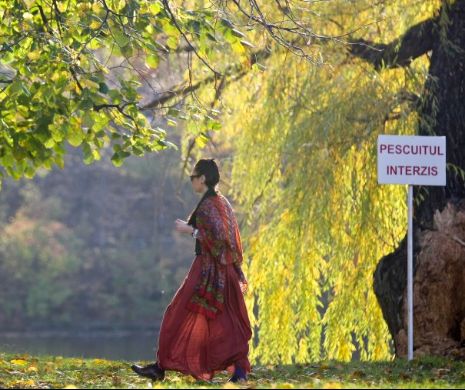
410,272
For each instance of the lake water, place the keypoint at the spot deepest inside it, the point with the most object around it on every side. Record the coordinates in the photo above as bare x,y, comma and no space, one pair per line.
129,346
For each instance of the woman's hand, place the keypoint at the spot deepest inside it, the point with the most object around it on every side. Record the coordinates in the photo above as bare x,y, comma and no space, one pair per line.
183,227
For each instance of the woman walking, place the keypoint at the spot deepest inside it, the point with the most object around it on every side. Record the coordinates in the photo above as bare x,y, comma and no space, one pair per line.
205,328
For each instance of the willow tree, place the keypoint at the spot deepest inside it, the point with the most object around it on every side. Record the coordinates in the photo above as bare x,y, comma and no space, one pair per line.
302,124
305,171
441,111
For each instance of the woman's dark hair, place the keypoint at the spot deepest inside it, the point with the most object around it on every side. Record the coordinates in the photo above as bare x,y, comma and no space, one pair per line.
209,168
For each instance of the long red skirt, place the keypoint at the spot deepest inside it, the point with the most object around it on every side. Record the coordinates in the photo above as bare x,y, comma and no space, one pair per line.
194,345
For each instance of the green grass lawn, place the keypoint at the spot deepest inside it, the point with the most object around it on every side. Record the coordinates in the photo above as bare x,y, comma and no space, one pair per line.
20,371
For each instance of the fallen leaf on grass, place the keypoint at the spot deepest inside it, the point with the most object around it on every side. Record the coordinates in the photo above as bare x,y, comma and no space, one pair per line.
358,374
230,385
32,369
25,384
19,362
332,385
286,386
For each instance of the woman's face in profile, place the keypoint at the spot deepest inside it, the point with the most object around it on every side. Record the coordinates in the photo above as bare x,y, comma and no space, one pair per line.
197,182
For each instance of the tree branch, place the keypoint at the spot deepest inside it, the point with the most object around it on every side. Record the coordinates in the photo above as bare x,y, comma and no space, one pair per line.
276,31
45,20
418,40
184,91
218,93
178,27
119,107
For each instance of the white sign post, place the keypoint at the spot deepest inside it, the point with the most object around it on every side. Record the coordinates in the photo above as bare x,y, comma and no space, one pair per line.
412,160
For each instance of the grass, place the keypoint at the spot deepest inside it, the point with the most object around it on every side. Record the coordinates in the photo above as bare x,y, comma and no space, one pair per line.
22,371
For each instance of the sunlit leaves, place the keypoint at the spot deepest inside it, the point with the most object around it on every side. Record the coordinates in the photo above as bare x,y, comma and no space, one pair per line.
57,85
304,175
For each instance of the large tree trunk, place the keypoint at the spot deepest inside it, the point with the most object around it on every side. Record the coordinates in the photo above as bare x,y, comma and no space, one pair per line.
439,220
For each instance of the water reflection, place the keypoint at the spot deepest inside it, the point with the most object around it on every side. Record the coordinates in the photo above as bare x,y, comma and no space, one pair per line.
130,346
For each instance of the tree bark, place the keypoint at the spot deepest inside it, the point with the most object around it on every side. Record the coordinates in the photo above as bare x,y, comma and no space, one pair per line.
441,113
417,41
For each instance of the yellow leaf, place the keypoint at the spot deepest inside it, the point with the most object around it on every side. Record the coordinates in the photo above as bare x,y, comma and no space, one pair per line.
70,387
83,6
286,386
19,362
95,25
89,84
33,55
23,384
32,369
332,385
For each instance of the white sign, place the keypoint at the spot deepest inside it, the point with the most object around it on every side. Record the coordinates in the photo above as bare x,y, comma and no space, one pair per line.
412,160
415,160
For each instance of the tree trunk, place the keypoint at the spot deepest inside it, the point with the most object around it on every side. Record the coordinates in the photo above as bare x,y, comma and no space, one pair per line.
439,220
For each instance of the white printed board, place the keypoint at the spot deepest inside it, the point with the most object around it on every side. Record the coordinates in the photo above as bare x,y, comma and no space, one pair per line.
415,160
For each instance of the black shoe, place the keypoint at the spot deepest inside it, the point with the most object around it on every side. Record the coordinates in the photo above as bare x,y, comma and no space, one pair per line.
151,371
239,375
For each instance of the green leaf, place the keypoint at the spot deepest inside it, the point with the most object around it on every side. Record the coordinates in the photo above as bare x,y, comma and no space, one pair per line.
75,136
121,38
88,155
152,61
50,143
215,126
103,88
117,160
155,8
87,120
172,42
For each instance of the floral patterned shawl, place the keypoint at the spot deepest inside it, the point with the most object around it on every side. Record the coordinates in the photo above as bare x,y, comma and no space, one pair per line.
220,245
